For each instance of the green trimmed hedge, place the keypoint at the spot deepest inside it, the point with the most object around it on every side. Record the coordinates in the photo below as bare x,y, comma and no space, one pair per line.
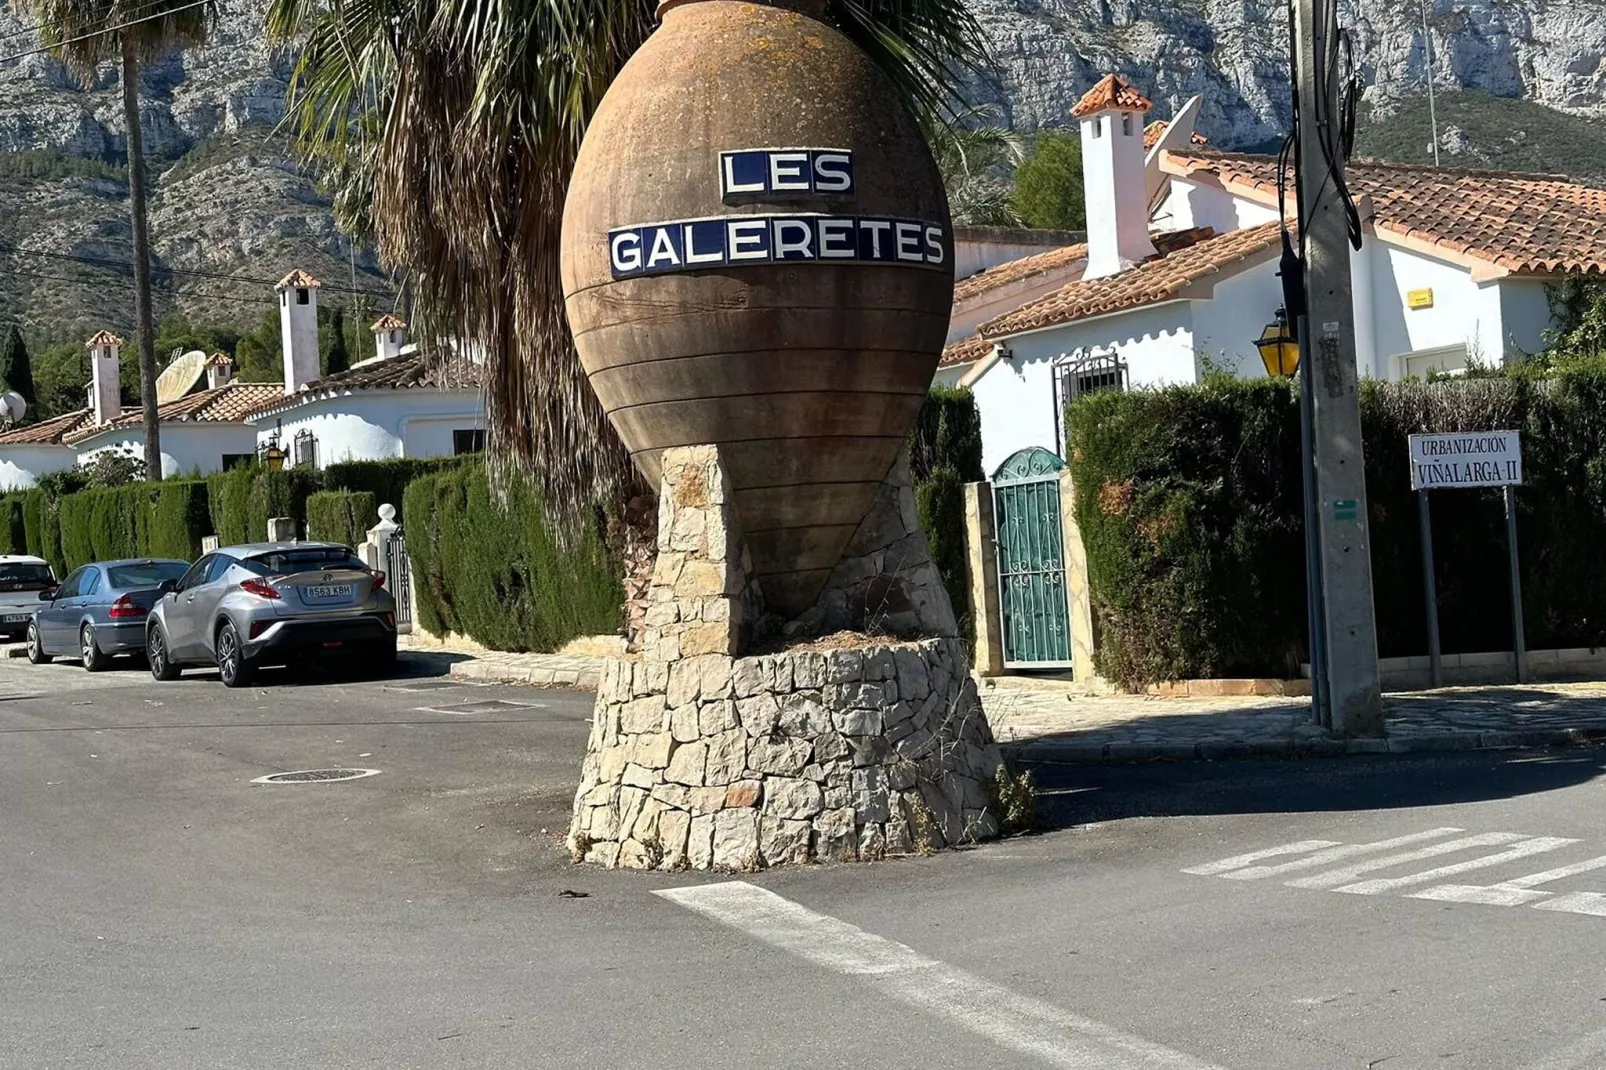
341,515
496,573
387,480
1190,508
13,528
165,519
944,455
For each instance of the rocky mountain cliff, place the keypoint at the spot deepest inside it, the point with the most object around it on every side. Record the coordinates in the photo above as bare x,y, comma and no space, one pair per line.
227,201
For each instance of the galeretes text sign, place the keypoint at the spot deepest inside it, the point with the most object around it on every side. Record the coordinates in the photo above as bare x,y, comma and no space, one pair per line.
1466,459
727,241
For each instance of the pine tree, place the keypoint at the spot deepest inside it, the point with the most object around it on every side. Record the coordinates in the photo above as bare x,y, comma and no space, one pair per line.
15,371
338,359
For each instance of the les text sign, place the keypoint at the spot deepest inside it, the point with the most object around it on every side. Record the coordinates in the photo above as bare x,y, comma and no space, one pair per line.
1466,459
757,172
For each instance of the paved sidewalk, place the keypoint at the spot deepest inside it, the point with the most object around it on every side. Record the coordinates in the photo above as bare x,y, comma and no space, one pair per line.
1045,726
580,672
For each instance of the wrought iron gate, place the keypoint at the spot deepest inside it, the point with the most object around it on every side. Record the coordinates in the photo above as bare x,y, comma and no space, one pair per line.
1031,561
400,575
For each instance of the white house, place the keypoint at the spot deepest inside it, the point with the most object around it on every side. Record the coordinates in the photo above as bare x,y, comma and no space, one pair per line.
399,403
1178,275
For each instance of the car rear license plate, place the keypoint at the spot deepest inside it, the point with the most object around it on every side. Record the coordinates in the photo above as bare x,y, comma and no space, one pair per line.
333,590
17,618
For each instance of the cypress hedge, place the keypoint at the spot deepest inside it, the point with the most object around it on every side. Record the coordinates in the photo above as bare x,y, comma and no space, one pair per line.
387,480
341,515
164,519
1189,501
945,454
496,573
13,528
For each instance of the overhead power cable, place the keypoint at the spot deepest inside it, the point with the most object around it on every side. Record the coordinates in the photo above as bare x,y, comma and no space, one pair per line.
108,29
39,26
193,272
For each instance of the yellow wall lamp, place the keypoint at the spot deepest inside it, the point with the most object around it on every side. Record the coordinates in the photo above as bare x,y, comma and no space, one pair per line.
1279,349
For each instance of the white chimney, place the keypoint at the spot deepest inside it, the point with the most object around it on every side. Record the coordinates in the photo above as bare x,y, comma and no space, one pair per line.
1112,114
298,323
390,335
105,377
219,370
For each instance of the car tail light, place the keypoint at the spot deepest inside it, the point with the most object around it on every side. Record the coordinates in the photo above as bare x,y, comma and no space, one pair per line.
258,588
260,626
379,580
125,609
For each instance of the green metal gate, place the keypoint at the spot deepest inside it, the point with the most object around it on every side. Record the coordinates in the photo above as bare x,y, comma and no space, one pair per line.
1031,561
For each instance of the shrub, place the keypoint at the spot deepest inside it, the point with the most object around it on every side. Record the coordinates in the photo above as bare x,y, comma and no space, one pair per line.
340,516
13,528
945,454
387,480
516,590
164,519
41,527
1189,501
281,493
229,500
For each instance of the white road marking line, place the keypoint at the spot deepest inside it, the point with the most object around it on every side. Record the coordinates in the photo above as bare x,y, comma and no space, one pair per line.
1020,1023
1344,874
1336,854
1512,893
1584,1054
1236,861
1577,903
1537,845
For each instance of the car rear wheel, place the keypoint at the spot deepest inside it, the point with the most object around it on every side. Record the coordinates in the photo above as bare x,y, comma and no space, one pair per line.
94,659
157,656
232,664
36,648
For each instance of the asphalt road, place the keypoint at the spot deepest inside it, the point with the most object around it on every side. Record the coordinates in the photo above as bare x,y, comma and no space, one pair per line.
158,909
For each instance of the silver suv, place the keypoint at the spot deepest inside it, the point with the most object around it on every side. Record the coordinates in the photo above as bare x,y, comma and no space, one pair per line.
243,607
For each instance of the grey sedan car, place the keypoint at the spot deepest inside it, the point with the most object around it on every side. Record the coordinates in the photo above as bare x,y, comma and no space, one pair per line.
99,611
243,607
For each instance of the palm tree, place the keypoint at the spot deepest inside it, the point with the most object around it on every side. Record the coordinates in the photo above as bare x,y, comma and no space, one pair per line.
975,156
462,118
81,35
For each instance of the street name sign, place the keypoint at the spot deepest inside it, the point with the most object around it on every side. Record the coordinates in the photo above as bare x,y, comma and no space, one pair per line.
1458,459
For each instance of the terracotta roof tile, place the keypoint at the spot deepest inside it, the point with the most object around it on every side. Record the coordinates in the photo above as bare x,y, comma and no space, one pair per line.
223,404
388,322
1160,278
971,349
219,360
47,432
1111,92
298,280
1525,224
1156,130
103,338
397,373
1017,270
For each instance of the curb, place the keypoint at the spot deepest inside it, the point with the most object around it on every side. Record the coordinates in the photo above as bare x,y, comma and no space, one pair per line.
565,679
1068,752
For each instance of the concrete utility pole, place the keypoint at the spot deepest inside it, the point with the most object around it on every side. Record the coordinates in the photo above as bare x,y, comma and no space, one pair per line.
1354,696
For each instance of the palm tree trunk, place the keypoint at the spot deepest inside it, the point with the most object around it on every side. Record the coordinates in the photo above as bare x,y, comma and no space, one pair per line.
143,324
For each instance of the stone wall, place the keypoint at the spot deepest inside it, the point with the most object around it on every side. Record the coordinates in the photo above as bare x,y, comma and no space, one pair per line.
701,758
711,761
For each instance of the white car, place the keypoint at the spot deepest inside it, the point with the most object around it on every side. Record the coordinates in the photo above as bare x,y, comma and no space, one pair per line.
21,579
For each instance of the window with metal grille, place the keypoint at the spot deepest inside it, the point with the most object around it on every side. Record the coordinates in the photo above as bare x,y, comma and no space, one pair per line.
1083,372
469,440
306,449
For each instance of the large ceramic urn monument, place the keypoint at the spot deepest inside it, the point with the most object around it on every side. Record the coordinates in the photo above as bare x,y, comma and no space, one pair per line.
758,269
757,254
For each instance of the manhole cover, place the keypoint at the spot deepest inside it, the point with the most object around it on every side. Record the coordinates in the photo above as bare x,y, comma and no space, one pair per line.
489,705
314,776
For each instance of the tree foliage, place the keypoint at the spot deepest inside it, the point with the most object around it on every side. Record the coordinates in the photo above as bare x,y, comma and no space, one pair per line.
336,357
975,157
16,372
1048,183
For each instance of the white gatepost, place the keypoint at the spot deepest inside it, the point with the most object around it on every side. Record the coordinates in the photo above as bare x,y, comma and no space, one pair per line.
380,550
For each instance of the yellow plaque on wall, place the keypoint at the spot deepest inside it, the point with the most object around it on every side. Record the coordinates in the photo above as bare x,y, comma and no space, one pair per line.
1419,298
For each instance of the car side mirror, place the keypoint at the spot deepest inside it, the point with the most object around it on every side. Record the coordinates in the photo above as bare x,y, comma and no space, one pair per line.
47,595
167,587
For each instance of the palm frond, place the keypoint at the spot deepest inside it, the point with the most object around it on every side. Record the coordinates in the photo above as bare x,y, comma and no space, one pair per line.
463,118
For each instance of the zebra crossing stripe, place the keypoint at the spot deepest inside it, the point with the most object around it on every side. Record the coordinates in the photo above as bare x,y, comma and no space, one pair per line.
1577,903
1512,893
1537,845
1237,861
1336,854
1344,874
